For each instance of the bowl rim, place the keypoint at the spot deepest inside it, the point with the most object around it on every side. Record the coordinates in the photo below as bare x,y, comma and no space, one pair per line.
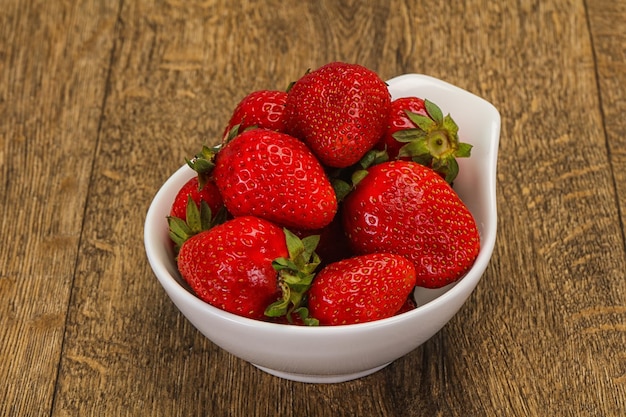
460,287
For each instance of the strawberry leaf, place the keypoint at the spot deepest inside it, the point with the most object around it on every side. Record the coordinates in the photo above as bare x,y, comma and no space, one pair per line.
425,123
200,165
358,175
408,135
464,151
284,264
310,244
453,170
178,230
451,127
303,312
194,219
206,217
433,111
295,275
232,133
279,307
440,144
342,188
416,148
373,157
197,220
449,168
295,247
203,163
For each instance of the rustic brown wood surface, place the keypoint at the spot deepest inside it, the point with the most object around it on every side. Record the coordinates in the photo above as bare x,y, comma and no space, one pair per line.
100,101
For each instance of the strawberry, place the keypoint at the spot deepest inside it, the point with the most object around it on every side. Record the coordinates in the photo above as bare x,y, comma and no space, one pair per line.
418,130
361,289
250,267
406,208
208,193
274,176
230,265
262,108
339,111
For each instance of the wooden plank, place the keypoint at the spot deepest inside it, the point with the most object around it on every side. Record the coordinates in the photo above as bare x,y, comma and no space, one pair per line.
53,67
607,22
543,325
563,287
608,32
565,278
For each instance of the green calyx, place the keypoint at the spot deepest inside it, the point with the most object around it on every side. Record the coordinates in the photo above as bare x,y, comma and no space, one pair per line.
198,220
203,163
434,142
295,275
344,180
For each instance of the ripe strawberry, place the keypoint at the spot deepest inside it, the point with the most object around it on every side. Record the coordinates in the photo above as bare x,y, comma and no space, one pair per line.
207,193
361,289
339,110
406,208
249,266
262,108
276,177
230,265
418,130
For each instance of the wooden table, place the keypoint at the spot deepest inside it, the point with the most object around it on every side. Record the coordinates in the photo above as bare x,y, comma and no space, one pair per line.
100,101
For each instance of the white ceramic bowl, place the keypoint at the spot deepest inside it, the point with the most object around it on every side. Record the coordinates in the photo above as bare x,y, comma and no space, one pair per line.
341,353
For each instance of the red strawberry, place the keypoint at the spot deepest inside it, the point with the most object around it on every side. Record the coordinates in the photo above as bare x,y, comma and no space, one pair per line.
207,193
419,131
339,110
274,176
262,108
361,289
242,266
406,208
230,265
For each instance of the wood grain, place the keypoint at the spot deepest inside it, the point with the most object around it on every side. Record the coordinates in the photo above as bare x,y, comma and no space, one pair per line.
101,101
55,59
